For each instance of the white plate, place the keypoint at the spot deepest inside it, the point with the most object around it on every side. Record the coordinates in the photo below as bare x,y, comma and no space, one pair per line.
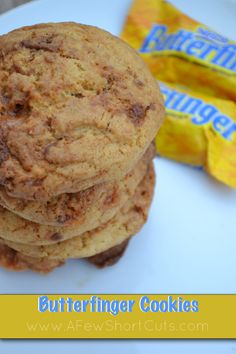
188,244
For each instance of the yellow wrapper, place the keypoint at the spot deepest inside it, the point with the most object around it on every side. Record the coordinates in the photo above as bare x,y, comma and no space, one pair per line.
199,130
178,49
200,68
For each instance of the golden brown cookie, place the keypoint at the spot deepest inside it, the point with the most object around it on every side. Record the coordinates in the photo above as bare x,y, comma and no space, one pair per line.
16,261
83,210
122,226
105,205
78,107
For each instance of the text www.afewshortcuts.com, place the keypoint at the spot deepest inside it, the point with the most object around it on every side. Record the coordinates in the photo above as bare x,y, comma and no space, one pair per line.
116,326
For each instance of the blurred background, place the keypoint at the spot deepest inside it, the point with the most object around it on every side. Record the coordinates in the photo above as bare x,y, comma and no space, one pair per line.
6,5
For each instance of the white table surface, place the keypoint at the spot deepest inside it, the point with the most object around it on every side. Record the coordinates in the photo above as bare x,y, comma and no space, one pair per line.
188,244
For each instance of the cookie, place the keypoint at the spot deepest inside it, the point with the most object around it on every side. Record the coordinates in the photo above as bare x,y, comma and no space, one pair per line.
78,107
16,261
85,209
105,204
125,223
13,260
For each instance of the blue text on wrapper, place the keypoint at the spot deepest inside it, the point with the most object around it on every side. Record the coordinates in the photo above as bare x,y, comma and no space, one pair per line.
199,111
204,45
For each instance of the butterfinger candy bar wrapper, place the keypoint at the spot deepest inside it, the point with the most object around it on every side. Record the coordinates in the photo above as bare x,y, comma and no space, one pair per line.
197,68
178,49
199,130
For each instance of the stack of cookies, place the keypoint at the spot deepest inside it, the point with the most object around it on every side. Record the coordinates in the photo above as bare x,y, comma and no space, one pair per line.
78,113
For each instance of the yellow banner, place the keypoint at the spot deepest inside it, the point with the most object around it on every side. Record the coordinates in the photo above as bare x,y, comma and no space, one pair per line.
117,316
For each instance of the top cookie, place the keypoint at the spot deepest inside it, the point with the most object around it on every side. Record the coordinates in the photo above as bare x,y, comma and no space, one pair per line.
77,107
